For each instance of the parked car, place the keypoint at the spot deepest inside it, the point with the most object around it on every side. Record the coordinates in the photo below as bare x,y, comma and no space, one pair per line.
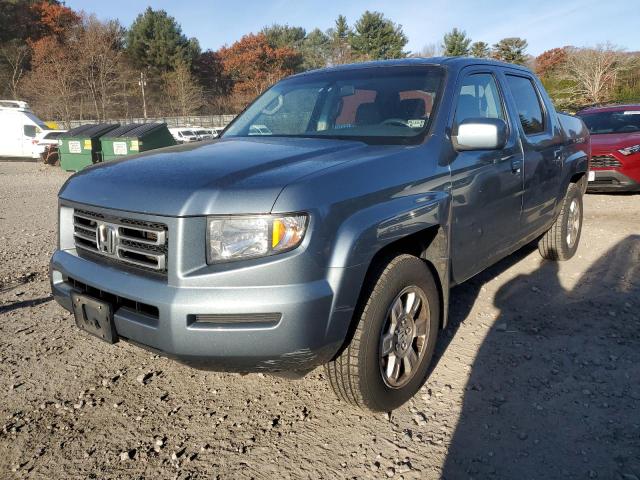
44,140
19,127
184,135
615,143
217,131
204,133
335,235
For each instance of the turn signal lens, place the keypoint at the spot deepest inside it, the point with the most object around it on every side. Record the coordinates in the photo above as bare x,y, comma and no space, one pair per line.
288,232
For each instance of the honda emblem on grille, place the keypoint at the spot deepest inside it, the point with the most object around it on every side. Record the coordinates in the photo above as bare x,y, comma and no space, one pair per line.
106,238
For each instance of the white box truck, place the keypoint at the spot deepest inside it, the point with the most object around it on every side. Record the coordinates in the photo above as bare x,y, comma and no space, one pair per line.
18,129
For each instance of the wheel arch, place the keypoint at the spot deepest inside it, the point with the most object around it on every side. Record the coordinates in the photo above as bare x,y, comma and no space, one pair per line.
431,246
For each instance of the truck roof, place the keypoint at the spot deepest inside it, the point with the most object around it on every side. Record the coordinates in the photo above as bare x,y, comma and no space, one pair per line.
15,105
451,62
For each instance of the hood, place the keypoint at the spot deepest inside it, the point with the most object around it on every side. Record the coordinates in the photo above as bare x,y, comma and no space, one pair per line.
609,142
238,175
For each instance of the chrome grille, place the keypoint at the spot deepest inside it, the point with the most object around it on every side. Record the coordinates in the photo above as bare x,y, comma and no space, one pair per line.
604,161
134,242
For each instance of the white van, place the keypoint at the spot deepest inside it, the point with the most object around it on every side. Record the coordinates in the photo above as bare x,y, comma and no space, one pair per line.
18,129
184,134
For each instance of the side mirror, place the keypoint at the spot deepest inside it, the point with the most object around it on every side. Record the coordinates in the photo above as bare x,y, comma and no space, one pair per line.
480,134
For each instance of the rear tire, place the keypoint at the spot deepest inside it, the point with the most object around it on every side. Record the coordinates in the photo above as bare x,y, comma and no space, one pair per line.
561,241
387,360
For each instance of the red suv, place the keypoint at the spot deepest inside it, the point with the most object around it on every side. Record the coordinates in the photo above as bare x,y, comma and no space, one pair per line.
615,147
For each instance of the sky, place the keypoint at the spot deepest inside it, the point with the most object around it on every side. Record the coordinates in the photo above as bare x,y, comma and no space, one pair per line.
544,24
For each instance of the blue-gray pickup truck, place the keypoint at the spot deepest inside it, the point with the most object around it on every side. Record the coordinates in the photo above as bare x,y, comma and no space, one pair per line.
328,224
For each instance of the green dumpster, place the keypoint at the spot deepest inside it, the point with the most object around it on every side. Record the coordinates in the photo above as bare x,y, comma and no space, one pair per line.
135,138
80,146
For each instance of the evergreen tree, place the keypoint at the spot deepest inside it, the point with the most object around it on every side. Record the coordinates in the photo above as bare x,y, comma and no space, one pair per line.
339,47
377,37
342,29
456,43
155,40
480,50
280,36
511,50
316,49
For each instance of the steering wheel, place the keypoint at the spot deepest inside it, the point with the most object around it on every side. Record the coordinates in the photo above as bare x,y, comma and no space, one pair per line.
628,128
395,121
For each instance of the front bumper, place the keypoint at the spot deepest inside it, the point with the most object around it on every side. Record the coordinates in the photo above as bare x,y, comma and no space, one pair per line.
612,181
308,332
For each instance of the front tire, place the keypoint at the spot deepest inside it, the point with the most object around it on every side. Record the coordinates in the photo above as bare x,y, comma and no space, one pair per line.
387,360
561,241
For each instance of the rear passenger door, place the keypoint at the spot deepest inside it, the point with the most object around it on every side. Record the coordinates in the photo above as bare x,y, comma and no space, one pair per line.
543,150
486,185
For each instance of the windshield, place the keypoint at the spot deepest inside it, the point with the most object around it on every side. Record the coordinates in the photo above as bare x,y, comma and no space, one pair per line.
379,104
620,121
37,121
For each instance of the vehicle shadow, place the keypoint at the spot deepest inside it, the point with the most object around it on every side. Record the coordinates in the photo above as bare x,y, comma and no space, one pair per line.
24,304
554,390
464,296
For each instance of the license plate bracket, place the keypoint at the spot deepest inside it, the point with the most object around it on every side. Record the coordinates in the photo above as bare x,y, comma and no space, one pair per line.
94,316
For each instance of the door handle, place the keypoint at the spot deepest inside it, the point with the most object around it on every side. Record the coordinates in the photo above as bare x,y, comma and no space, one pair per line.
558,155
516,164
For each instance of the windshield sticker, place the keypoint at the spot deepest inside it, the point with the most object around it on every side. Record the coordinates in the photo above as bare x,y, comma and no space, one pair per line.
632,112
416,122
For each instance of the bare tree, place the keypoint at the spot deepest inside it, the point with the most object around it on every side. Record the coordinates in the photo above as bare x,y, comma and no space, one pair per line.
52,84
183,93
99,66
429,50
595,72
14,55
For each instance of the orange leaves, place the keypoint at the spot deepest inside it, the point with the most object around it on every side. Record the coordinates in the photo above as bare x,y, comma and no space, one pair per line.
254,65
55,19
549,61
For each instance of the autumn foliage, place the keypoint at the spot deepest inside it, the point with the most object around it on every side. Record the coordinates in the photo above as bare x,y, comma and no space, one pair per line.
70,65
253,64
548,62
53,19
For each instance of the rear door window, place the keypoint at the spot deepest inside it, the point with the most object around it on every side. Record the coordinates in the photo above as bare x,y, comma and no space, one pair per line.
528,104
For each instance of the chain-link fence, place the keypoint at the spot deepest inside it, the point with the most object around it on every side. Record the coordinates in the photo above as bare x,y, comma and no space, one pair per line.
190,121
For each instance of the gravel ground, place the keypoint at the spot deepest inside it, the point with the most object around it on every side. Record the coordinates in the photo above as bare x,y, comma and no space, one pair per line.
537,376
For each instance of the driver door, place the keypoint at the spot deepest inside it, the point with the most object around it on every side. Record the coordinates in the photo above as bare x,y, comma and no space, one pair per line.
486,184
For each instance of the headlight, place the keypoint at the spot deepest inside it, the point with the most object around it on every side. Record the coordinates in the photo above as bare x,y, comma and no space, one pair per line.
239,237
630,150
